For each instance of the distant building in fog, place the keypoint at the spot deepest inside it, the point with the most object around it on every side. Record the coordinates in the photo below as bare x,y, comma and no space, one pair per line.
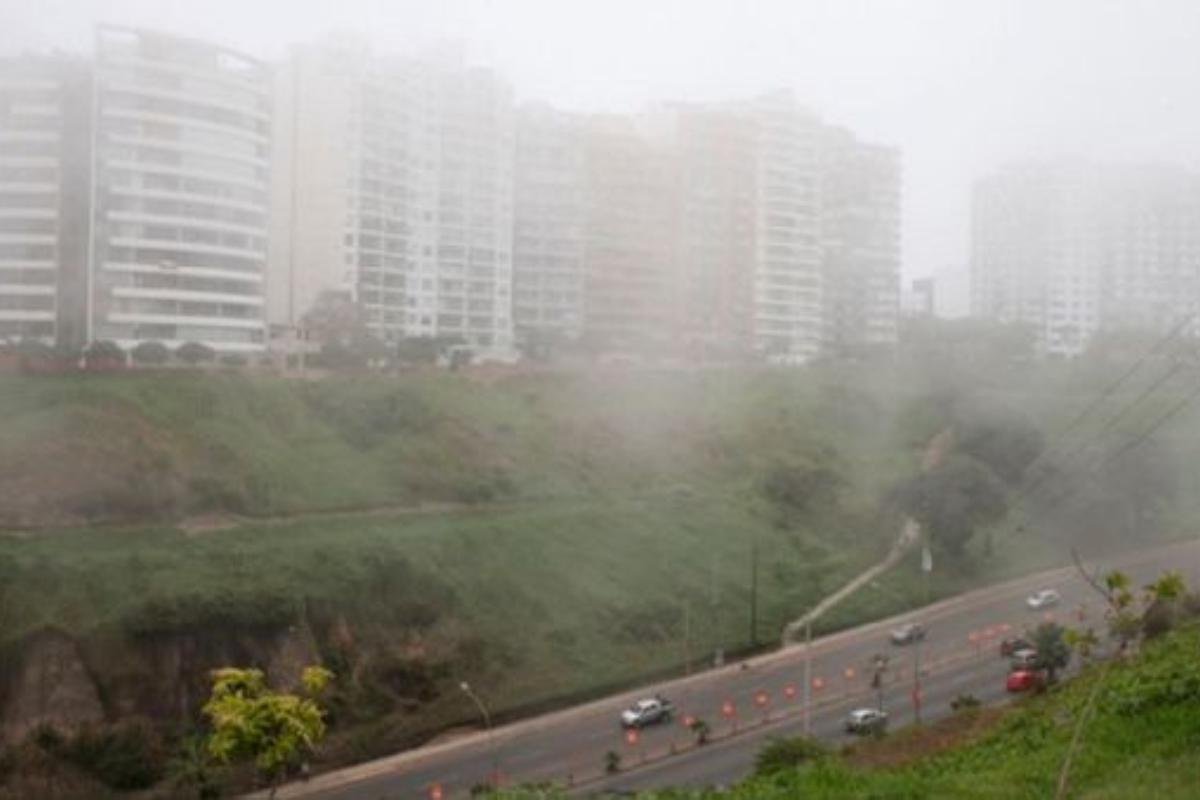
45,136
134,195
860,218
1072,248
548,223
395,184
920,298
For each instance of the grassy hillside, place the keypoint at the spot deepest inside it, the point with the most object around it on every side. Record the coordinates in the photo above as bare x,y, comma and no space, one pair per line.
79,449
1143,740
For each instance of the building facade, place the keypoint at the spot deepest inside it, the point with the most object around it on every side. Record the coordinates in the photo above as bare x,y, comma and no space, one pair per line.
548,224
180,200
1074,248
860,222
45,135
395,187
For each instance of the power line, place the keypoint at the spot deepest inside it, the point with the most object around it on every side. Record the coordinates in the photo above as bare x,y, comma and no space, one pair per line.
1062,435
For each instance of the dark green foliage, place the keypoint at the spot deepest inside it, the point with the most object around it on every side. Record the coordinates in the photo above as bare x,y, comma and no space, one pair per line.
953,500
1053,652
126,756
964,702
195,353
151,354
1005,442
780,755
797,486
104,352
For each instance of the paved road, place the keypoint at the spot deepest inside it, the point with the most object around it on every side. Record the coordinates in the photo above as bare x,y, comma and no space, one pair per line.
960,655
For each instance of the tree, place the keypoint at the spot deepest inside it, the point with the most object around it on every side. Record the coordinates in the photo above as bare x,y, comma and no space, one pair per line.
193,353
1053,651
251,721
104,353
151,354
191,770
952,500
1006,442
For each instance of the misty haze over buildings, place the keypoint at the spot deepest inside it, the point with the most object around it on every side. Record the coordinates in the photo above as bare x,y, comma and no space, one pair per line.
143,187
960,90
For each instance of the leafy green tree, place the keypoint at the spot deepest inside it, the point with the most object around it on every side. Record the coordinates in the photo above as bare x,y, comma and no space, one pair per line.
1006,442
193,353
273,729
104,352
151,354
1053,651
953,500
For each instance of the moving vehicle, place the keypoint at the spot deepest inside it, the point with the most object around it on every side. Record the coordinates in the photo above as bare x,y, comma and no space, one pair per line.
1024,658
866,720
1022,680
1043,598
1010,646
647,712
907,634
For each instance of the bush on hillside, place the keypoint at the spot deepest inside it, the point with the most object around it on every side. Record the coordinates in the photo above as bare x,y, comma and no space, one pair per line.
126,757
193,353
786,754
151,354
104,353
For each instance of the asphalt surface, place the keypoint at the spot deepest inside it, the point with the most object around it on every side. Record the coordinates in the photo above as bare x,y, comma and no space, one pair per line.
959,655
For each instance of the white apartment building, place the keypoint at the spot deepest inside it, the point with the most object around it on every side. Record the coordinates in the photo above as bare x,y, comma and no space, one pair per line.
44,133
860,223
181,195
548,226
788,299
1073,248
394,186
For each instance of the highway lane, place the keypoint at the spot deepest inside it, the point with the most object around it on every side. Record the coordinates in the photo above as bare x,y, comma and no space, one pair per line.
569,746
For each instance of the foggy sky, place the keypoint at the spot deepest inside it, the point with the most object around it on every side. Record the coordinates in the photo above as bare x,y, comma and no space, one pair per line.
960,86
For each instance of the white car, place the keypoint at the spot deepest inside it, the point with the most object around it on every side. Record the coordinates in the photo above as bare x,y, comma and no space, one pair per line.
907,634
646,712
1042,599
866,720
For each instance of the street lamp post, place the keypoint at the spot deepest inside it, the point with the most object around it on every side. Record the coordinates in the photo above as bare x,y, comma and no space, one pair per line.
493,776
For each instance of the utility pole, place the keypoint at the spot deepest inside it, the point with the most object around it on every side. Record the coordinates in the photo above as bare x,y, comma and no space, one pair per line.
687,636
807,674
754,592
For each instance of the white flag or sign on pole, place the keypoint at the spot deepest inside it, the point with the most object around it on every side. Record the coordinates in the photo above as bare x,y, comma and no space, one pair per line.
926,559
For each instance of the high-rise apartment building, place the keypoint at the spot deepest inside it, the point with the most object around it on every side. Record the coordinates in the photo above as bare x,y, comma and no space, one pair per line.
181,196
1072,248
133,195
860,223
548,225
395,188
632,294
717,228
45,134
788,319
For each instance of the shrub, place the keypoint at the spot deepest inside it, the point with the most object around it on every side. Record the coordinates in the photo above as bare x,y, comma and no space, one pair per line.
964,702
151,354
785,754
104,353
233,360
124,757
195,352
612,762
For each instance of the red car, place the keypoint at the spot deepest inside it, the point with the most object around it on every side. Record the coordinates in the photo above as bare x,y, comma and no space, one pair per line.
1022,680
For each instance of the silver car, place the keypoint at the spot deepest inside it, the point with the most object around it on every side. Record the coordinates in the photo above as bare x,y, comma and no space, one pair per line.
866,720
907,634
1044,598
